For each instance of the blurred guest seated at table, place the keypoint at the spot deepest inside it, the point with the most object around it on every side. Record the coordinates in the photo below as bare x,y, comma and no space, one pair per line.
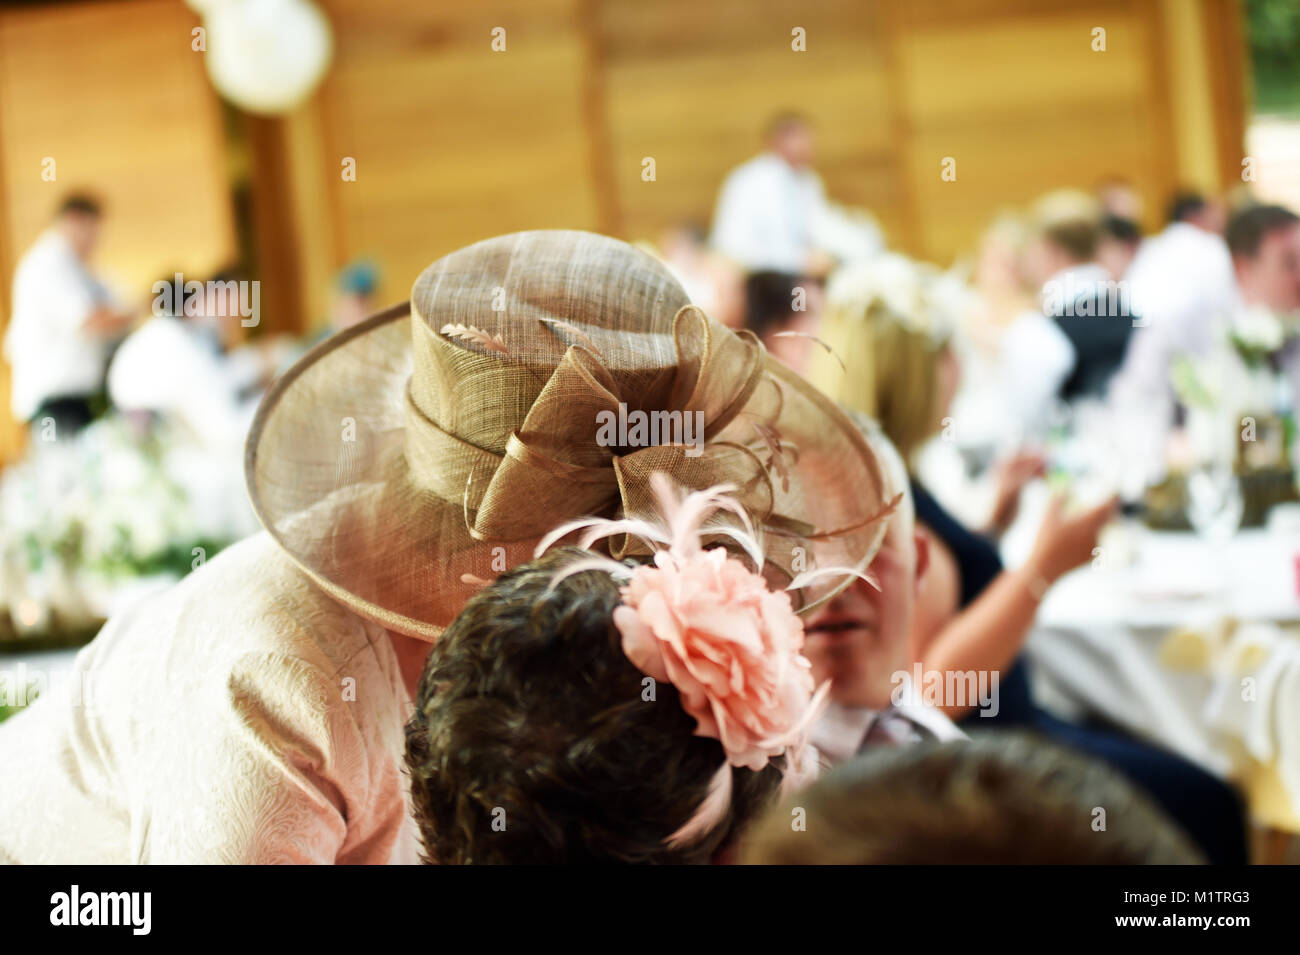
1181,283
1000,291
1264,241
169,367
1206,213
784,312
971,616
63,323
1120,198
858,641
354,300
712,281
999,799
1017,342
984,421
355,296
1090,316
998,295
1118,245
218,323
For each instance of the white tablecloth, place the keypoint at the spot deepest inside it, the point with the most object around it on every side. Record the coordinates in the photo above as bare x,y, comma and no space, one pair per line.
1097,646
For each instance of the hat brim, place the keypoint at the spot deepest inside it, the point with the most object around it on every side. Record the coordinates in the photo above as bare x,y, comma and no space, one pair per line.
329,479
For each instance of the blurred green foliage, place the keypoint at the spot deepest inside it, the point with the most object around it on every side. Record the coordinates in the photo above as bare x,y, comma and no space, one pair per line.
8,708
1273,30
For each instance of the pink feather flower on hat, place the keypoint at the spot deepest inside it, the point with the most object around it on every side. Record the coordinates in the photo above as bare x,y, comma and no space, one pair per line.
709,625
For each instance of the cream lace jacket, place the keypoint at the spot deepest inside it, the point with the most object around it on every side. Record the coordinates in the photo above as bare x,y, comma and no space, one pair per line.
241,717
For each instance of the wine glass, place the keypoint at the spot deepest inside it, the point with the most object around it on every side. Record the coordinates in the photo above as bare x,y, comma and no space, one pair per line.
1214,509
1214,501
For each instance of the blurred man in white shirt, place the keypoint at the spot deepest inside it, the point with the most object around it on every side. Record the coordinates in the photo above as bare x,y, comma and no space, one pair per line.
1182,285
769,206
774,223
62,323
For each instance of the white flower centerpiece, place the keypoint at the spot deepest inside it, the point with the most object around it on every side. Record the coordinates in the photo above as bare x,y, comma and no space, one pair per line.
89,521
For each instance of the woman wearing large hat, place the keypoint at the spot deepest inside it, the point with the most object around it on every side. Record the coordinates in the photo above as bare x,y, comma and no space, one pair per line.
254,712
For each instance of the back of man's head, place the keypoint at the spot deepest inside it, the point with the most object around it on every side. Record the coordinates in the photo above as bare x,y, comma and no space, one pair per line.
1184,206
1070,221
995,799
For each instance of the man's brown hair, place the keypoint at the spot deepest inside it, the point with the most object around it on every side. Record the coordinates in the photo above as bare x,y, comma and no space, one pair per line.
1001,799
535,739
1248,228
1071,221
81,204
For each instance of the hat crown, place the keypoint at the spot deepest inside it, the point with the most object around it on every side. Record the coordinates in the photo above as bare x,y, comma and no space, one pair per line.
494,319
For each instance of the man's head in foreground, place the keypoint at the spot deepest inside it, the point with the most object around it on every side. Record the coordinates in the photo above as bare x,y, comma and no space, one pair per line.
536,740
1001,799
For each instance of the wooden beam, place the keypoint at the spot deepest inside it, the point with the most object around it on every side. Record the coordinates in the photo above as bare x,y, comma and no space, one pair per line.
1196,144
277,263
1161,145
1226,59
909,238
12,433
595,106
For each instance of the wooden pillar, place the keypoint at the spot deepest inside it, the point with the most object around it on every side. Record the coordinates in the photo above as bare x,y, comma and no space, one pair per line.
1205,60
908,239
276,230
12,433
609,217
1228,60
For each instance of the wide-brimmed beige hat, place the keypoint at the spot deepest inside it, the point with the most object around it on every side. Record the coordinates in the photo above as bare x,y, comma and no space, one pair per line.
412,457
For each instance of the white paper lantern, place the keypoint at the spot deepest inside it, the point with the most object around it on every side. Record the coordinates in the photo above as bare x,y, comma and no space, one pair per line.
266,56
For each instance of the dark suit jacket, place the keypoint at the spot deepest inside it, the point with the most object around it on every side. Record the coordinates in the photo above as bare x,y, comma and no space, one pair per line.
1099,324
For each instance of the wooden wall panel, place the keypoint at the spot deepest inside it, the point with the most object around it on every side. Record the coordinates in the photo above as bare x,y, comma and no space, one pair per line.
116,96
1023,104
453,142
693,84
